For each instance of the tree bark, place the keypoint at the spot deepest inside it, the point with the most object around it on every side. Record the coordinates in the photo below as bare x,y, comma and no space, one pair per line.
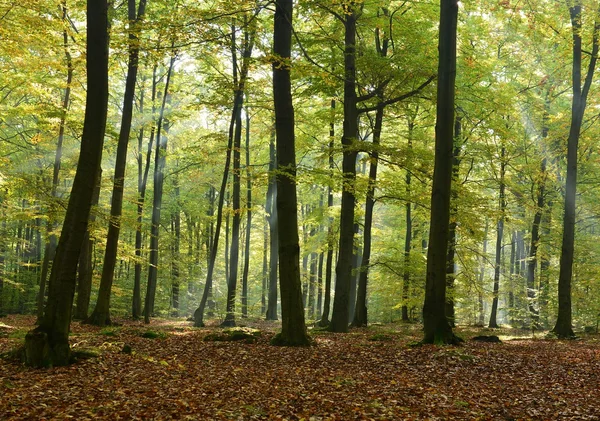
436,326
293,328
48,344
271,209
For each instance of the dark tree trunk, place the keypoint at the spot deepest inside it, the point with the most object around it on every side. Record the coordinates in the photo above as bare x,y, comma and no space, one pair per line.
101,314
293,328
85,269
499,234
330,232
436,326
160,159
339,318
563,327
248,220
312,285
271,209
48,344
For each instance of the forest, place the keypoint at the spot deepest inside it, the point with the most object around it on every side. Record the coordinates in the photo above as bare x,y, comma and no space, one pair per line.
185,184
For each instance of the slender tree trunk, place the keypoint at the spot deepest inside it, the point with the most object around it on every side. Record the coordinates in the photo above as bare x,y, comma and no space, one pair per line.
436,326
499,235
237,104
361,312
339,319
563,327
101,314
265,271
50,248
271,209
176,229
160,158
330,233
136,307
248,220
450,263
48,344
409,232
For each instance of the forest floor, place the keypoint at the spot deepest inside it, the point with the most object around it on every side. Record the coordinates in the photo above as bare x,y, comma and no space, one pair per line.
367,374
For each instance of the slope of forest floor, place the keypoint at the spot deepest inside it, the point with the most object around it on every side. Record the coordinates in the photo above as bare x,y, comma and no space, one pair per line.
371,373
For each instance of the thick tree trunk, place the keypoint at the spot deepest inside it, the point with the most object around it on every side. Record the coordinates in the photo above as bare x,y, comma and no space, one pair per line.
436,326
563,327
160,159
339,318
293,328
101,314
499,235
48,344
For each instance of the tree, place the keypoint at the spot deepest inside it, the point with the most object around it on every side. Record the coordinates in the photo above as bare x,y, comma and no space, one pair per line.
563,327
293,328
48,344
101,314
436,326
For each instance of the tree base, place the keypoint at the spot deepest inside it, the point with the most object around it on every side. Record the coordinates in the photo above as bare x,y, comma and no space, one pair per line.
40,353
98,319
228,322
301,340
323,323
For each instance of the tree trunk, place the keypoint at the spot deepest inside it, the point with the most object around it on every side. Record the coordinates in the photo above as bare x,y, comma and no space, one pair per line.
136,306
339,318
85,269
293,328
330,233
176,230
101,314
436,326
450,263
409,233
271,209
160,159
499,233
48,344
360,311
248,220
563,327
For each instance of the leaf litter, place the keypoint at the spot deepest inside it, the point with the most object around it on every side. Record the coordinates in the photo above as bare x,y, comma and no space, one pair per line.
177,375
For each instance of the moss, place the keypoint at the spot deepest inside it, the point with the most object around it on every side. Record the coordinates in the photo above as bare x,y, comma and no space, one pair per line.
234,334
381,337
151,334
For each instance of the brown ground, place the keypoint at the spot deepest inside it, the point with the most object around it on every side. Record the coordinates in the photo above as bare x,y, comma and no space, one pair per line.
367,374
